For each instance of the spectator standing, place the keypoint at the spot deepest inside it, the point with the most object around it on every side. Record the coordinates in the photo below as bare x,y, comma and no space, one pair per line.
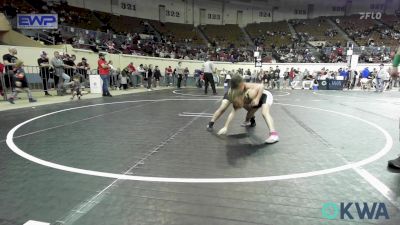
113,75
104,72
281,83
277,72
44,65
133,76
179,71
345,74
83,69
69,62
285,78
149,76
58,65
185,76
9,61
123,78
168,75
227,81
271,76
292,75
222,75
157,76
142,75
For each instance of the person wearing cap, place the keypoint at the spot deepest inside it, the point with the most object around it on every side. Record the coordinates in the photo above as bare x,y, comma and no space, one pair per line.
82,68
59,66
104,72
395,163
44,73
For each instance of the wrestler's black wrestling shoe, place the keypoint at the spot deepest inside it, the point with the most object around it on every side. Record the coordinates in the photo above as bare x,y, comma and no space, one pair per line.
394,163
210,126
251,123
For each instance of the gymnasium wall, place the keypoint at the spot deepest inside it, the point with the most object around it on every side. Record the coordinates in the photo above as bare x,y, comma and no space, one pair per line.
254,11
30,55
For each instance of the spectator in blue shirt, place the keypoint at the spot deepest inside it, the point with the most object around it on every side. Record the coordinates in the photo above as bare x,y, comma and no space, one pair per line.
365,73
344,73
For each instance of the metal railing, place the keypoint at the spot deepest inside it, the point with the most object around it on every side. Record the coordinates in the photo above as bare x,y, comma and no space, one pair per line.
46,80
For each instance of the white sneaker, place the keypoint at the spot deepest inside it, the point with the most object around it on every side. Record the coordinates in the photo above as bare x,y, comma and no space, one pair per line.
246,124
273,138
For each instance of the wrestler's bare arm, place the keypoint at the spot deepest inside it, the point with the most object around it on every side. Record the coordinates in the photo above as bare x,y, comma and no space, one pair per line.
255,92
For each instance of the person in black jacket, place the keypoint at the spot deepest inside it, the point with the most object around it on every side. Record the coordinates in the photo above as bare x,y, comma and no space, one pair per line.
157,76
44,66
149,77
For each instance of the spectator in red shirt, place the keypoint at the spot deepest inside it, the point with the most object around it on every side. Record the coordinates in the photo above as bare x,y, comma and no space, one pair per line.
104,71
168,75
132,72
292,74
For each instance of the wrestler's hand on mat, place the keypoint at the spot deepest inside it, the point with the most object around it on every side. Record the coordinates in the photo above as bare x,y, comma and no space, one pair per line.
223,131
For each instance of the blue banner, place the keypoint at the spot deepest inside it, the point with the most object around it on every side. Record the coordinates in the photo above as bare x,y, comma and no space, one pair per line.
37,21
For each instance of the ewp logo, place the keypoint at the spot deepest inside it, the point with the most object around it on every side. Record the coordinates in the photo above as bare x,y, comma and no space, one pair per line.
336,83
331,210
37,21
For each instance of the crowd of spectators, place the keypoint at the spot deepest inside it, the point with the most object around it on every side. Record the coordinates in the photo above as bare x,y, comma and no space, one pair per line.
368,32
95,31
291,78
65,73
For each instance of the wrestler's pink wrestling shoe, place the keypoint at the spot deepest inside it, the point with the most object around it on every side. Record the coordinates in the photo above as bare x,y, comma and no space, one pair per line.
273,138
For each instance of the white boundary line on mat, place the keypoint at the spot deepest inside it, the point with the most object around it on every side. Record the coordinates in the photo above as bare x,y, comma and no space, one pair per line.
385,149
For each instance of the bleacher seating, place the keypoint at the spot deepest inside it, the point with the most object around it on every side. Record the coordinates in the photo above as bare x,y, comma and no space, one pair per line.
319,29
365,30
392,21
127,24
276,33
69,15
225,36
20,6
228,42
179,33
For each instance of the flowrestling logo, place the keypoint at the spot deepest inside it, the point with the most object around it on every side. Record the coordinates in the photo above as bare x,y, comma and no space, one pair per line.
37,21
374,211
372,15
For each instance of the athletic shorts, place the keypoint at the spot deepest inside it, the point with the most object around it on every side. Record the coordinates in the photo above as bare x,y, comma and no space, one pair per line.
266,98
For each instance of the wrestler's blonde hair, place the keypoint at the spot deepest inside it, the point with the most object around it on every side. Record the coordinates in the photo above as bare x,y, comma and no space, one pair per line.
234,92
